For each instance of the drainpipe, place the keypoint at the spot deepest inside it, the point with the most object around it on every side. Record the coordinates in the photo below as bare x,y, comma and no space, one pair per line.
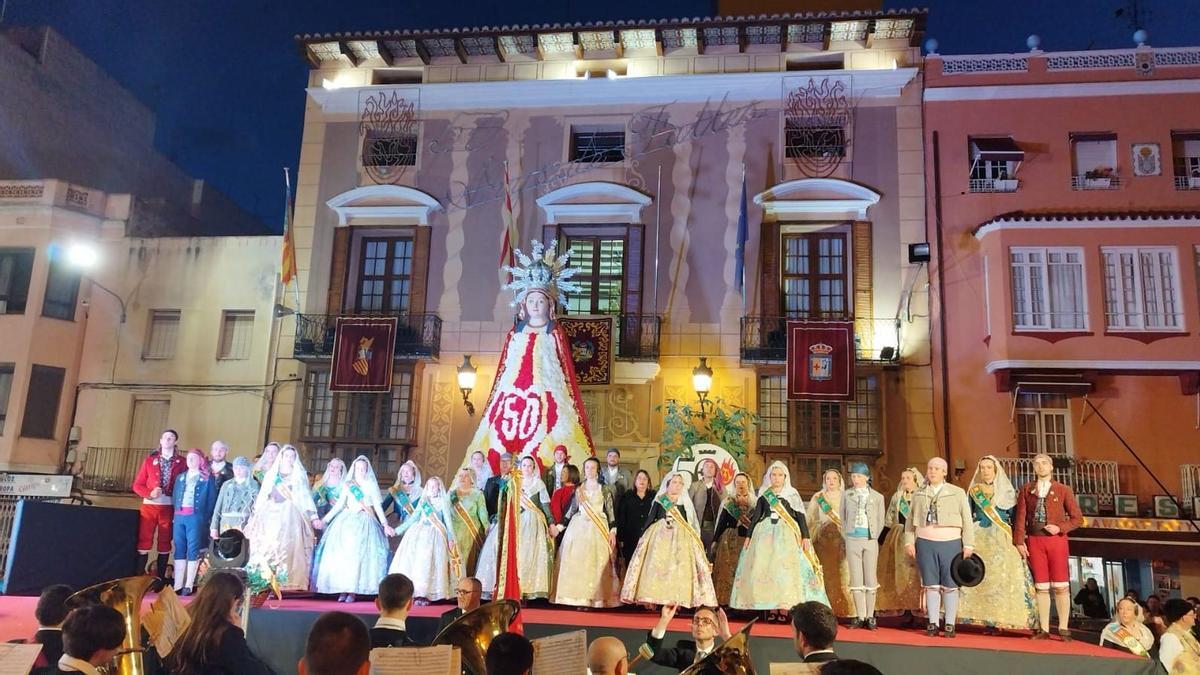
941,292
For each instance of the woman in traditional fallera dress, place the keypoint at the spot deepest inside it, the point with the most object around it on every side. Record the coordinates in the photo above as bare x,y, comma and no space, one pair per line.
669,565
352,557
401,499
1005,597
778,568
427,553
269,453
733,529
481,467
468,518
535,550
899,578
284,516
327,490
587,561
826,523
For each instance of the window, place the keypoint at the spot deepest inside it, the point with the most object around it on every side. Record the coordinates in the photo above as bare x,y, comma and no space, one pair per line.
1141,291
805,140
162,334
772,411
379,426
1047,289
815,277
1186,154
6,381
385,275
1043,425
592,144
850,427
16,267
237,332
41,404
1095,161
150,416
382,148
994,164
62,290
601,265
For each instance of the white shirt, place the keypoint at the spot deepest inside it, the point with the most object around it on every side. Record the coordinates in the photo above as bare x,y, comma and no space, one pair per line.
1169,649
68,662
1043,488
217,467
558,474
393,624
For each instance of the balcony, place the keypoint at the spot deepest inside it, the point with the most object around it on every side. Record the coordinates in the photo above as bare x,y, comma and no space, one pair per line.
638,337
764,338
1084,476
1187,182
994,184
112,470
417,335
1085,182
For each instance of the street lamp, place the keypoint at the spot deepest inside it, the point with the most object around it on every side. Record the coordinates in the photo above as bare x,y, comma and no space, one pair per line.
466,382
702,382
84,257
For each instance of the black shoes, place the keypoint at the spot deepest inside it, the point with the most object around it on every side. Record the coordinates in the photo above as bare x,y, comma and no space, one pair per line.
856,623
1065,634
871,625
931,630
949,632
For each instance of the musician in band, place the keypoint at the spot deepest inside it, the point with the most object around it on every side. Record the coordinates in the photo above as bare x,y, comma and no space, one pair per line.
707,624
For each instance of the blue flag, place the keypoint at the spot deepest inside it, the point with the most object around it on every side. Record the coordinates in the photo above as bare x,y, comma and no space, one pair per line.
739,270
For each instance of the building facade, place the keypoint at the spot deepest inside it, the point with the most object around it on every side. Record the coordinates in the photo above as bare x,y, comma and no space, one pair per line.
626,142
1063,199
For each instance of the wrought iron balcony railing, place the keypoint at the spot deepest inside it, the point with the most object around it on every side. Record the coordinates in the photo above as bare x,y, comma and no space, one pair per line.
112,469
417,335
764,338
639,337
1097,183
1083,476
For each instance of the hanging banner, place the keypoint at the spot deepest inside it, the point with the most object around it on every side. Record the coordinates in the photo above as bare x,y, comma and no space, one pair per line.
820,360
591,341
363,353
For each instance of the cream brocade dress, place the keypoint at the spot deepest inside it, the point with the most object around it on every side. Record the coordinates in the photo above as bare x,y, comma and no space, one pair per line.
280,532
535,550
899,578
586,572
830,546
424,552
1004,599
669,564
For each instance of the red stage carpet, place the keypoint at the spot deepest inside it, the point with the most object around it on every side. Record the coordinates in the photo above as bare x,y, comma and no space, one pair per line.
285,623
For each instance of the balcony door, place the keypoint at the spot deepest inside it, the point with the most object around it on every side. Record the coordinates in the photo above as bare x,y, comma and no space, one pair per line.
815,275
385,276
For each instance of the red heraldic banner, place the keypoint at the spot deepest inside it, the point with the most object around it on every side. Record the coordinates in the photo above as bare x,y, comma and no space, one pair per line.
820,360
363,350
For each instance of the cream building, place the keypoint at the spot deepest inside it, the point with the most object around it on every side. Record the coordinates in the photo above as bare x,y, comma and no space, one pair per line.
626,140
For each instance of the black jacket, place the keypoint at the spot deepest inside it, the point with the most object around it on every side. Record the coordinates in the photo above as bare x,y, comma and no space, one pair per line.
491,495
632,513
763,510
232,657
51,641
679,657
448,617
390,637
821,657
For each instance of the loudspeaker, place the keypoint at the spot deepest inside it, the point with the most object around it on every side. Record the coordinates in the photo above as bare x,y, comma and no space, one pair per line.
69,544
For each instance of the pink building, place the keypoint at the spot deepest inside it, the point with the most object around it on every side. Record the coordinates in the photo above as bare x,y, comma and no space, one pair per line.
1064,211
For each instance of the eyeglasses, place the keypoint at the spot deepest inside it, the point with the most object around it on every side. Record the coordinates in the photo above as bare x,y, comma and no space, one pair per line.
702,621
465,591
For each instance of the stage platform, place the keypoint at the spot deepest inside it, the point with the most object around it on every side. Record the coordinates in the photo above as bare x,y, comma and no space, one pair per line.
278,629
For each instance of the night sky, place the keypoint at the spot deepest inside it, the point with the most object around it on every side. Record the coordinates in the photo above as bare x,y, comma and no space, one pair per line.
227,80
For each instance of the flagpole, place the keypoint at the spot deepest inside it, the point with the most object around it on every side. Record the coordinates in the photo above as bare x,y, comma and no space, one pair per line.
657,232
291,224
746,215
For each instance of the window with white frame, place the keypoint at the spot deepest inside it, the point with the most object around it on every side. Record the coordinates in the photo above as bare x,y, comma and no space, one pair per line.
162,334
1043,425
237,331
1141,289
1047,289
772,411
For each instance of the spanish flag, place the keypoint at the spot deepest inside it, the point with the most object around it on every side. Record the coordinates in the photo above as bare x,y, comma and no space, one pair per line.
288,264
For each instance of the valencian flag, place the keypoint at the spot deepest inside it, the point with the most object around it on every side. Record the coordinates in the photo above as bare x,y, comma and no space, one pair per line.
509,238
363,349
820,360
287,268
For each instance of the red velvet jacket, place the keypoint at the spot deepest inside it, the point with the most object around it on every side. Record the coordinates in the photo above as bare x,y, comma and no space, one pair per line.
1061,510
149,477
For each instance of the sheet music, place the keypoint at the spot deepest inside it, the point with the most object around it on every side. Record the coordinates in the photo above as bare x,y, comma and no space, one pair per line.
17,659
166,621
439,660
795,668
561,654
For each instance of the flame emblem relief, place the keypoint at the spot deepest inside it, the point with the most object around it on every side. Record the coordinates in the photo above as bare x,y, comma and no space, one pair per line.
818,124
387,125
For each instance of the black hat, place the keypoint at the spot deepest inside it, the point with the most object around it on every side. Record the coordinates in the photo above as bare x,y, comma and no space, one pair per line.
968,572
231,549
1175,609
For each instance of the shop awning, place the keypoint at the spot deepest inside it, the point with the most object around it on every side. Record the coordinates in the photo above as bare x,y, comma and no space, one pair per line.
999,149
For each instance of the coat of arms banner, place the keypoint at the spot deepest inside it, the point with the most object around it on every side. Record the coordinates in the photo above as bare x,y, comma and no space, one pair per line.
363,353
820,360
591,341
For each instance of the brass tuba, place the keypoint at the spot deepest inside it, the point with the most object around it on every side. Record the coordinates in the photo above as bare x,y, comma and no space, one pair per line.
731,658
473,632
125,596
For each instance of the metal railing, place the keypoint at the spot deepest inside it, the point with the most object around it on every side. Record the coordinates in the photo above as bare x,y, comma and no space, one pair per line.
1101,183
417,335
111,469
639,337
1084,476
994,184
1187,183
764,338
1189,479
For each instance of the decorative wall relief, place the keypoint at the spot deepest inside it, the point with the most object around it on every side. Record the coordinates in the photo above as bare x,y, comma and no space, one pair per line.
818,123
1147,159
441,414
388,123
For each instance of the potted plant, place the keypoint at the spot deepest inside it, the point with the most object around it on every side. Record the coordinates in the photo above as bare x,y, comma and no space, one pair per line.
1099,178
721,424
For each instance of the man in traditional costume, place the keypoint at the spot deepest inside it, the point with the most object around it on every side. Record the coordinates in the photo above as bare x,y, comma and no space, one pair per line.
862,514
234,500
939,530
706,493
154,484
1046,512
217,466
